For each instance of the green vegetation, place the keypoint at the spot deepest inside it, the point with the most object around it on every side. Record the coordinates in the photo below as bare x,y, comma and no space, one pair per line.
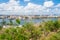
49,30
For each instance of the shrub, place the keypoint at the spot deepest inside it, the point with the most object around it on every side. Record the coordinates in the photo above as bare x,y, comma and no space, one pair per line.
52,25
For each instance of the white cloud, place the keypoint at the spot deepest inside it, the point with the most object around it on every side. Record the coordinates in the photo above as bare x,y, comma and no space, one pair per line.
48,4
33,8
13,7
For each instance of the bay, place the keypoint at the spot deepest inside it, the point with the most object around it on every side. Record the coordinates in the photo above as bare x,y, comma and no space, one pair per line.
31,20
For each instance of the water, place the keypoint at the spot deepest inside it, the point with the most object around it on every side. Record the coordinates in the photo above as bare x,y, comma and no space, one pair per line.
37,20
31,20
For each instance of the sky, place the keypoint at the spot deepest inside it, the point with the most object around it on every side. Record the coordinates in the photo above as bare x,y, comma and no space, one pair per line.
29,7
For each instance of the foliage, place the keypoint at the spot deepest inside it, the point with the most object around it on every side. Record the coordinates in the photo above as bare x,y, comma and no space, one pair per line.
52,25
34,34
54,36
12,34
18,21
49,30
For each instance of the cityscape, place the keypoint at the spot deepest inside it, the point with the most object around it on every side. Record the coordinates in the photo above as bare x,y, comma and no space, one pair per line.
27,18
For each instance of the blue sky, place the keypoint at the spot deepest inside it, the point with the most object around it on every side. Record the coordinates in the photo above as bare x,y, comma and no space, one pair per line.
39,2
24,7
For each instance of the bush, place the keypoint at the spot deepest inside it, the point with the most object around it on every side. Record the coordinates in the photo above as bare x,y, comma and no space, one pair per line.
35,32
49,30
52,25
55,36
12,34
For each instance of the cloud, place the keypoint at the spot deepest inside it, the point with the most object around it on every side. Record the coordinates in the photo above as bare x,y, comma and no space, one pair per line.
48,4
9,4
56,9
34,9
13,7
